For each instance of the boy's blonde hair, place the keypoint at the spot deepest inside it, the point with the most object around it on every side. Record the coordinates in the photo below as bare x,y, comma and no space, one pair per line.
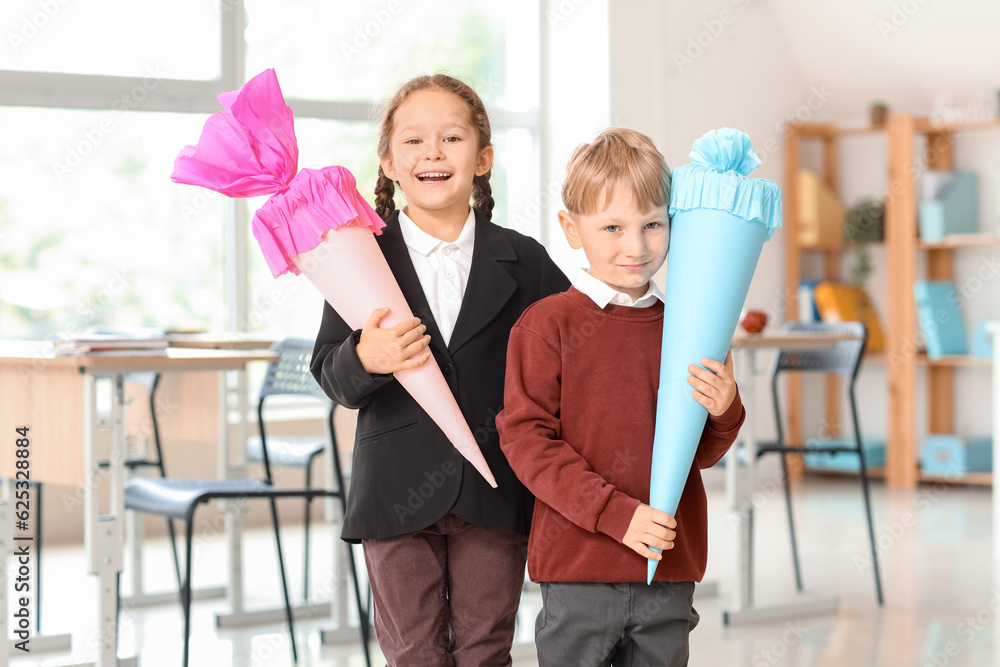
617,157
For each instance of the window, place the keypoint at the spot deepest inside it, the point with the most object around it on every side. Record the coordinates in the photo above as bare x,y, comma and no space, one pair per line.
362,51
94,37
93,232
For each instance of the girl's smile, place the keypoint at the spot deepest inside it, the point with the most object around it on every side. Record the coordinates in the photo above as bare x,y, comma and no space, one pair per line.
433,177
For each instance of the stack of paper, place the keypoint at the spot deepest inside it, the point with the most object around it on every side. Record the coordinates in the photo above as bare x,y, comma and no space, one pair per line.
145,341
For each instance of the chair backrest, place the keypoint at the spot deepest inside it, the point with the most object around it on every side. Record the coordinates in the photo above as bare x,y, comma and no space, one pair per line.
843,358
289,375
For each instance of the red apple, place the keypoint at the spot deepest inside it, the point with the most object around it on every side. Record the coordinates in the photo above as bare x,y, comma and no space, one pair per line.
754,321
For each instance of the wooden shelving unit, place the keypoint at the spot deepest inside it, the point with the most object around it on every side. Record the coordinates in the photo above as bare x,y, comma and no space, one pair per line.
903,247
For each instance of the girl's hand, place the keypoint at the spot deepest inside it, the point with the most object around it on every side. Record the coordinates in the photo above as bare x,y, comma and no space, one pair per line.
715,388
397,348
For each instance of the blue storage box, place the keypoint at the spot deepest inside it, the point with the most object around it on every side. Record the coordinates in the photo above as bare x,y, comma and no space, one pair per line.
950,204
941,319
954,455
845,461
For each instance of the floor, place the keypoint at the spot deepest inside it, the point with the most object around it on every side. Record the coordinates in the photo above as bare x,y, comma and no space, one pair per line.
941,588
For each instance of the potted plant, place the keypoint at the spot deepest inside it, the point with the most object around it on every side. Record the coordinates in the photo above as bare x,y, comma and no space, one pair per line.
864,224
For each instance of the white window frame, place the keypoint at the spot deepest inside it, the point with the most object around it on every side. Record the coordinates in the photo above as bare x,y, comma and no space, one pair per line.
88,91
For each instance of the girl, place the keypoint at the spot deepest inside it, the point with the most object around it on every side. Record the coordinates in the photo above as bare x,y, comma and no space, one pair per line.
445,552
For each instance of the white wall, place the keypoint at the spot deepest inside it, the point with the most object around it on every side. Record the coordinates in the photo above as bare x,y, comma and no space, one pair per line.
679,69
577,97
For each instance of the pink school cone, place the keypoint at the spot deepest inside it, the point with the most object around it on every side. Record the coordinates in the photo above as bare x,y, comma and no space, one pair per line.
315,223
344,256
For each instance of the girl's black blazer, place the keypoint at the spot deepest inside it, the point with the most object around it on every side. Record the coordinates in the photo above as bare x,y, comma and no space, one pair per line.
406,475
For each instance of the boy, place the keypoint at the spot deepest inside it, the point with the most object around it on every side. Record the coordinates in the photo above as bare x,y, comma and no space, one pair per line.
577,427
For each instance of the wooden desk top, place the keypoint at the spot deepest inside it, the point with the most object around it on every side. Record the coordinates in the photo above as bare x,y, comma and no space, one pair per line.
38,355
790,340
223,340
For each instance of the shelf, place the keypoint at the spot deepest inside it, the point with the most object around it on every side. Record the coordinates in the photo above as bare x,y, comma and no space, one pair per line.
829,131
947,243
953,360
845,245
821,246
909,140
960,241
873,473
925,125
859,130
969,478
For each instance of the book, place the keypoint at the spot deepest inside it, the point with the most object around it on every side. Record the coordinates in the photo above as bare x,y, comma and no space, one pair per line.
941,320
821,215
106,341
807,301
838,302
950,204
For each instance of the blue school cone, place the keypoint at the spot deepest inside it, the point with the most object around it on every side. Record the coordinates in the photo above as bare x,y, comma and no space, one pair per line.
719,222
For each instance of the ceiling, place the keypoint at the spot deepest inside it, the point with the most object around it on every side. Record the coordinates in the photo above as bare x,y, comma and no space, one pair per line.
931,57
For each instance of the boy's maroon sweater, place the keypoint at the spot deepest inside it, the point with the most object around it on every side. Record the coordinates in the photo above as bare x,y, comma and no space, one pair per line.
577,427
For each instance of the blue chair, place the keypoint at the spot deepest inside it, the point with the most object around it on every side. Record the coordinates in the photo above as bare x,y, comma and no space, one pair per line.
843,359
179,498
290,376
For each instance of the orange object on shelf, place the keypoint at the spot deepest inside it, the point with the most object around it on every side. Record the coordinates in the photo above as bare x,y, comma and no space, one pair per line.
838,302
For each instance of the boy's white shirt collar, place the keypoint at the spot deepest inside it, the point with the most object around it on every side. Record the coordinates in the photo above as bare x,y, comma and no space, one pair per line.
424,243
602,294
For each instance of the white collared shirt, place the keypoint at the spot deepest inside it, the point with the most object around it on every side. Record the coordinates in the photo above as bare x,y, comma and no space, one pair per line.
602,294
443,268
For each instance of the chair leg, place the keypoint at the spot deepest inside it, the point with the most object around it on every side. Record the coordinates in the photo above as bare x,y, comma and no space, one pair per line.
305,567
163,473
38,558
864,490
791,522
284,580
186,589
173,546
871,532
362,609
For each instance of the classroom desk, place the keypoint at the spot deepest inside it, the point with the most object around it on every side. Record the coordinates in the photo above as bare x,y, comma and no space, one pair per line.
741,480
55,397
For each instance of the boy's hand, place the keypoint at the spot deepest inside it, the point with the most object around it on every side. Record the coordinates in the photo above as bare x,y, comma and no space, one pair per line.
403,346
715,388
650,527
